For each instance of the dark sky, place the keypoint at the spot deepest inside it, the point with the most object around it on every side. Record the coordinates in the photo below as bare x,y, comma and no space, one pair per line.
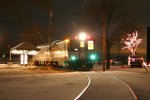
34,18
66,10
144,10
65,14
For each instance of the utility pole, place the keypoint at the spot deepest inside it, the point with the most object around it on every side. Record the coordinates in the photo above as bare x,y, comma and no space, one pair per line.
104,45
50,26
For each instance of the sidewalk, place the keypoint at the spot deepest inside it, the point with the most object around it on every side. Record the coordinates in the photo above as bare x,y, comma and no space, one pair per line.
121,68
6,69
15,66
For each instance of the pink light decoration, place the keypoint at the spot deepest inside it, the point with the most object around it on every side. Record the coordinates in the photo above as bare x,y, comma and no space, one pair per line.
131,42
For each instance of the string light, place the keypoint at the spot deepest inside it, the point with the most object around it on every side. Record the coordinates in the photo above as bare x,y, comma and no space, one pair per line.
131,42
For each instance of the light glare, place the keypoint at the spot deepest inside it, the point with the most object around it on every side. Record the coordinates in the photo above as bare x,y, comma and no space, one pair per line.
82,36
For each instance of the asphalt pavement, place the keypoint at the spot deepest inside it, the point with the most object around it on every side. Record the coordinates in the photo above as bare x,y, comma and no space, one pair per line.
117,83
104,86
60,86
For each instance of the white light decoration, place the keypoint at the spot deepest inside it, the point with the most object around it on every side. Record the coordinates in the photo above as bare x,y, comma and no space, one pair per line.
24,55
33,52
131,42
24,59
60,53
16,51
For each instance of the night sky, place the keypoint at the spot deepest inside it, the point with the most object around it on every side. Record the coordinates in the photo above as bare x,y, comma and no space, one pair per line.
66,10
34,18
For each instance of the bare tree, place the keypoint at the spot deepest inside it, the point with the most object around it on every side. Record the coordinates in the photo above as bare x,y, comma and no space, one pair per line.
18,15
40,32
131,42
118,18
19,22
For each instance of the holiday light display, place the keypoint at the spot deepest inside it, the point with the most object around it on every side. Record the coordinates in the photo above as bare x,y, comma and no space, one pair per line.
131,42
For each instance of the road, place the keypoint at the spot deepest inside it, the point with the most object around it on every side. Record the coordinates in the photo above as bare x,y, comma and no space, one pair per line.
139,82
62,86
108,85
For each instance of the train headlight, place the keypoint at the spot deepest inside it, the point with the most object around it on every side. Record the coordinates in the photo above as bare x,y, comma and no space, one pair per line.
73,57
92,56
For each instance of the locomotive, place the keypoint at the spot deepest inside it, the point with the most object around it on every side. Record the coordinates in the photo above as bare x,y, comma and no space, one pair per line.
75,53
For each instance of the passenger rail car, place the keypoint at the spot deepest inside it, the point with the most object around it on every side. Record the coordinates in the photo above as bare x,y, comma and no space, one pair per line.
72,54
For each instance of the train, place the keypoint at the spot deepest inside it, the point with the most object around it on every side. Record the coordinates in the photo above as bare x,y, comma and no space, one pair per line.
70,53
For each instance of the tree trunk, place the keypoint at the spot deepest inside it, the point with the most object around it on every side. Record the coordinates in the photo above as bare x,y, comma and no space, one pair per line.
104,45
108,58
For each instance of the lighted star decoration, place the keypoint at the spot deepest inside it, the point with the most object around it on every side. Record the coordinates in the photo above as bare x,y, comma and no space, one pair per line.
131,42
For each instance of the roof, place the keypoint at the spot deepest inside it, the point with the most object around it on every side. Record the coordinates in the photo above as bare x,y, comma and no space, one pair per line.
25,46
49,44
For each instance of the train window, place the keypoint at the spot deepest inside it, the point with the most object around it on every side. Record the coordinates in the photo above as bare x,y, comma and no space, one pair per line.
74,45
82,44
90,45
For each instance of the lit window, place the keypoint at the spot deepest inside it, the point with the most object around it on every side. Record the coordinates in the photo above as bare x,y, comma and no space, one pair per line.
82,44
90,45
